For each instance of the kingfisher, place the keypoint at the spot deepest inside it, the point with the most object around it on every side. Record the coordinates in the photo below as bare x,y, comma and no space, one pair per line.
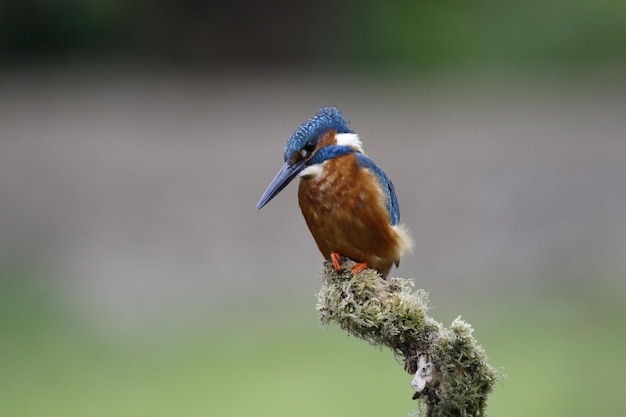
348,203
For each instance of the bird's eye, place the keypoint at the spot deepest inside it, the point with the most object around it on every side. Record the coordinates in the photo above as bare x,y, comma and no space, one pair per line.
308,149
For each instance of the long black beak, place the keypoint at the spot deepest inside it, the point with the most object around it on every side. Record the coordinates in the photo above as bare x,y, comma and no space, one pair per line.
284,177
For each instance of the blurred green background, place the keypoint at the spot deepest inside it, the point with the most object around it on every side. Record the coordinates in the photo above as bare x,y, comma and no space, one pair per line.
448,35
137,279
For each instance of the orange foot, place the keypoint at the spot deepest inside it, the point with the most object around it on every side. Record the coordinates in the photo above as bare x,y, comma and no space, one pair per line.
336,259
359,267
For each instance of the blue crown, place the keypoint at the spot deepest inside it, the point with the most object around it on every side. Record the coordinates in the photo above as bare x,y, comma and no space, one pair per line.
325,119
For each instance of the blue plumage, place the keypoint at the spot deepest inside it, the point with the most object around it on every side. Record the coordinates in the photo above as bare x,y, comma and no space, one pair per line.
325,119
387,185
330,152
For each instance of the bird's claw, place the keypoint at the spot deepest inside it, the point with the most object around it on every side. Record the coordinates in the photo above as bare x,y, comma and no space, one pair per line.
336,260
360,266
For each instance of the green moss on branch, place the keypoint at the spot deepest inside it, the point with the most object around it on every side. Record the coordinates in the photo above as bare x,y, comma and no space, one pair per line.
452,375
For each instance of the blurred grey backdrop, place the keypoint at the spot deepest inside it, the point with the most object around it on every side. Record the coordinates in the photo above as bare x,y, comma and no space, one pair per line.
139,189
136,138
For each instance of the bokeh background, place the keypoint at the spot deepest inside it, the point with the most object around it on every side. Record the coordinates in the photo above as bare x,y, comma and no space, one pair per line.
137,278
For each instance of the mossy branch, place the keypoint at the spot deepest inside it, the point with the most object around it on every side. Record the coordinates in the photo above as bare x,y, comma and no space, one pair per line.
451,373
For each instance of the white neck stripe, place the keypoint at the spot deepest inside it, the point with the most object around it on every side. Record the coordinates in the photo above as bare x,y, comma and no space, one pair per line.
349,139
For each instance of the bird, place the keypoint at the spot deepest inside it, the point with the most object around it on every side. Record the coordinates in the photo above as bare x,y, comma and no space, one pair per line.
349,204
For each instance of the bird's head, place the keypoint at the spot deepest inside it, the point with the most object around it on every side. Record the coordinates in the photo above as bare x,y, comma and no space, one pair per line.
324,136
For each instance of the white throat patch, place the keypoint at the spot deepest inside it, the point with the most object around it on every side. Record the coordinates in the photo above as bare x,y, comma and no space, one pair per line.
311,171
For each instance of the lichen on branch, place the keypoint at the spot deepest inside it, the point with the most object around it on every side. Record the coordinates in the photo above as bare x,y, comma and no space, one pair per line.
451,373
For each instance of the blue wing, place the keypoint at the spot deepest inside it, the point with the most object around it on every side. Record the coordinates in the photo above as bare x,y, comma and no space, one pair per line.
392,199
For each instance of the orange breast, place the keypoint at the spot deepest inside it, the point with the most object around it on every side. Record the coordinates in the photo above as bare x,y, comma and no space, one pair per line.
345,210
